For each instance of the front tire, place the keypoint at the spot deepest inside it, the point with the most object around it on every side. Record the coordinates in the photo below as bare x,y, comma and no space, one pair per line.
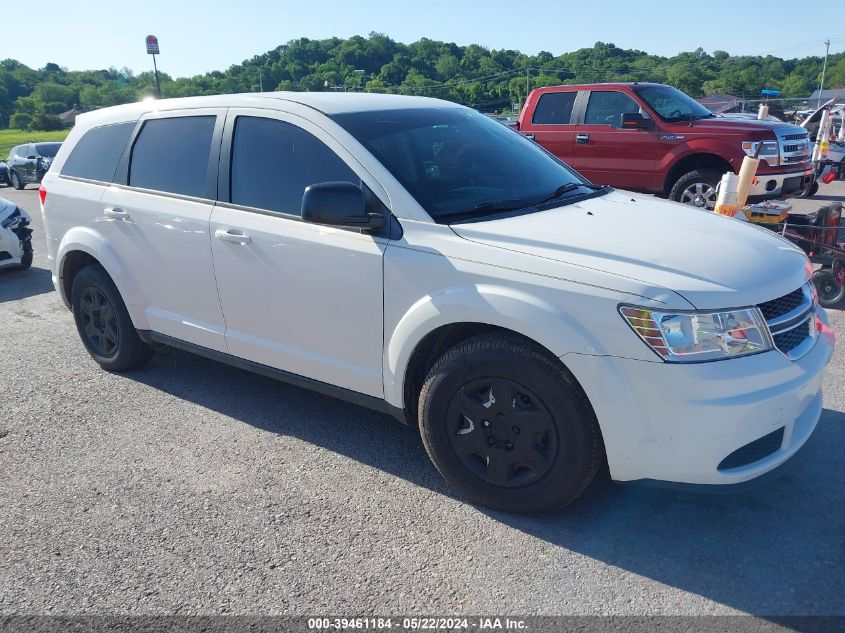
103,322
831,294
26,262
508,426
16,181
697,188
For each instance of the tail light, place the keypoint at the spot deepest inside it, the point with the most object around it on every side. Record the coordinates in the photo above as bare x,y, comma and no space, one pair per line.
42,194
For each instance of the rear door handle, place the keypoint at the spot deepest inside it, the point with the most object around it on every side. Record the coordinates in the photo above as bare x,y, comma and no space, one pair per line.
115,212
582,138
231,236
531,136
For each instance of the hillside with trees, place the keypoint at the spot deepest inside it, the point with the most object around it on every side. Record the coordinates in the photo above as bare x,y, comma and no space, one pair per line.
473,75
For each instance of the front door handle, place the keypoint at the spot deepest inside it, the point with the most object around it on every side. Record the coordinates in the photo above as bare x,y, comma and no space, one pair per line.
231,236
115,212
529,136
582,138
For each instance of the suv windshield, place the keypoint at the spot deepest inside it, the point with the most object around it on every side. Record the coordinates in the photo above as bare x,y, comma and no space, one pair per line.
461,165
47,150
671,104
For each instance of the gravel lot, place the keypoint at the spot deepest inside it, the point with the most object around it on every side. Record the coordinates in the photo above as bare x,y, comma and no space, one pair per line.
190,487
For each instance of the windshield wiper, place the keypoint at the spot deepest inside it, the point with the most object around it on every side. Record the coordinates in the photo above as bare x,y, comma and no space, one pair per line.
566,188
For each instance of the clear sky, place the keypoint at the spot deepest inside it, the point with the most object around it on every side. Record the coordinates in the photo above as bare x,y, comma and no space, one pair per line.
198,36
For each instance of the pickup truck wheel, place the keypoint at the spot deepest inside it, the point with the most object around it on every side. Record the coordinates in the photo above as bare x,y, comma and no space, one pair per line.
508,426
103,322
831,294
697,188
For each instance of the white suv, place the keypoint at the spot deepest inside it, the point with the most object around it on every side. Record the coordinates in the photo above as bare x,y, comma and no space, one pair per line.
417,257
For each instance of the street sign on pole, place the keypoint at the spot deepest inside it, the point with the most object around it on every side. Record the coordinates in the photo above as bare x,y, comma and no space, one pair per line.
152,49
152,45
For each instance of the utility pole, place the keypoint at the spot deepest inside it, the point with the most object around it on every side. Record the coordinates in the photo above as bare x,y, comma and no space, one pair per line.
527,82
260,81
824,69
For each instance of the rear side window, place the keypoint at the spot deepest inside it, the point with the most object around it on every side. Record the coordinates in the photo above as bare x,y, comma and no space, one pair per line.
97,153
273,162
172,155
554,108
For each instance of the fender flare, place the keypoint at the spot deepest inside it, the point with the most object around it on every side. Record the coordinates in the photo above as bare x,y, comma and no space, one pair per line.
547,325
89,241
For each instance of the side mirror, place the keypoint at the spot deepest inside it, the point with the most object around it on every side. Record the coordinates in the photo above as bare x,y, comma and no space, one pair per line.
339,204
634,121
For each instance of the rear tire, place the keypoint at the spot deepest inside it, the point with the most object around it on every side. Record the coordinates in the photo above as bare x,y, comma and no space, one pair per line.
831,294
103,322
508,426
697,188
16,181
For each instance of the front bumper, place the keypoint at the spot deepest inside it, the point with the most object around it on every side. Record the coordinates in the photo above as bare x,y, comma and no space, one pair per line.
777,184
14,244
678,423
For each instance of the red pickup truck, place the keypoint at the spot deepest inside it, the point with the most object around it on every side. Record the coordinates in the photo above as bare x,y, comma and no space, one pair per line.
654,138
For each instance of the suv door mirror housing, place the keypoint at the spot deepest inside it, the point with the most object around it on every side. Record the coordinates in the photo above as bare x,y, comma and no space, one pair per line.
634,121
339,204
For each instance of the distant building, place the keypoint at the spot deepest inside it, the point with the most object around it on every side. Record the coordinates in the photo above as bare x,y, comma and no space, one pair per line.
720,103
828,94
69,118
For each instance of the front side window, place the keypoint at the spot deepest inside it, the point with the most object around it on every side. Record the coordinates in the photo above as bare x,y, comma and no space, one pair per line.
172,155
460,165
671,104
274,161
607,108
97,153
554,108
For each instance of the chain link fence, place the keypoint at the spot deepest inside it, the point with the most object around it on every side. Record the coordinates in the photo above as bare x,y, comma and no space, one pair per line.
792,110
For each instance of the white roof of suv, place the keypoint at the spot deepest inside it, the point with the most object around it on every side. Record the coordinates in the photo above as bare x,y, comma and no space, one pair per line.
325,102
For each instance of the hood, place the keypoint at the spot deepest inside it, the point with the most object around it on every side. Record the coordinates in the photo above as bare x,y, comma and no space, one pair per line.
730,125
712,261
7,208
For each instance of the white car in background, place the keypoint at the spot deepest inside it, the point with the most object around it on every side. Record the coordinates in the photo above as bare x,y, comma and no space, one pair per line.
15,237
419,258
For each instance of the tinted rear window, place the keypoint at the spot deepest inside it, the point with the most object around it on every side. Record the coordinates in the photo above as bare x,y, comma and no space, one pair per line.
172,155
47,150
273,162
554,108
98,151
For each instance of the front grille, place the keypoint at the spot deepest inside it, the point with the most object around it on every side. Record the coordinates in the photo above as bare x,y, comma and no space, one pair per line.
790,322
795,137
789,340
753,451
780,306
791,148
803,158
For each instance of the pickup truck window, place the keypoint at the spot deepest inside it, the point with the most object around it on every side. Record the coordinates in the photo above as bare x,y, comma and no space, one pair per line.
554,108
671,104
458,163
607,108
274,161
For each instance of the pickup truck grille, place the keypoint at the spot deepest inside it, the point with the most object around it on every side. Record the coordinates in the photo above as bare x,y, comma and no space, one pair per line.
791,322
792,152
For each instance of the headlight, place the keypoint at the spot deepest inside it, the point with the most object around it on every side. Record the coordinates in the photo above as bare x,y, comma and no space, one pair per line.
767,148
12,221
688,337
